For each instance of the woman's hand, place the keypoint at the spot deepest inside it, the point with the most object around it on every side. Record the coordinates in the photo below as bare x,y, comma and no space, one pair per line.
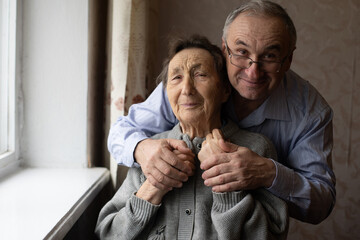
150,193
166,163
211,145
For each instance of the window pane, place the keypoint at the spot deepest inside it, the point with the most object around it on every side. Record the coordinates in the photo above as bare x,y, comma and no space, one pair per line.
4,25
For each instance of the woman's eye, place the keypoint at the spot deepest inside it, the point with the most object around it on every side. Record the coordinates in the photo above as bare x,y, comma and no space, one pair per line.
200,74
174,79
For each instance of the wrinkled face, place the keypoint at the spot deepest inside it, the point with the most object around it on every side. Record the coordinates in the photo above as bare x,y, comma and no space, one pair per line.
194,88
259,38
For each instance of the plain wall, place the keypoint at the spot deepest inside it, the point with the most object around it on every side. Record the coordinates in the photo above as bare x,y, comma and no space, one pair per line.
54,83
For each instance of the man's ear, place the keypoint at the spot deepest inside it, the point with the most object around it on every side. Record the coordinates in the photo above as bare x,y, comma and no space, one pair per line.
288,61
223,47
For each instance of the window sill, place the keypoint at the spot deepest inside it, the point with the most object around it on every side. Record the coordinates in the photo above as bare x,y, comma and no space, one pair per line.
38,203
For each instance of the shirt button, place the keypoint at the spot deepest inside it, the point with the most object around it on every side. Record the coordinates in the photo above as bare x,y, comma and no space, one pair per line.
188,211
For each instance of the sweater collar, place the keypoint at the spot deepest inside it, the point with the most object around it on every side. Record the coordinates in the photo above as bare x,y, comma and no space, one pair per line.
227,129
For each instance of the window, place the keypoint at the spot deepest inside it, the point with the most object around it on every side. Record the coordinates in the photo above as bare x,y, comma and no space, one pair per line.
7,80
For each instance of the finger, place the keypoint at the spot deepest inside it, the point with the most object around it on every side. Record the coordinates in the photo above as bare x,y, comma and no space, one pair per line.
171,158
216,171
191,165
184,157
227,146
217,134
180,146
169,171
221,179
209,137
157,184
214,160
204,143
169,177
228,187
189,162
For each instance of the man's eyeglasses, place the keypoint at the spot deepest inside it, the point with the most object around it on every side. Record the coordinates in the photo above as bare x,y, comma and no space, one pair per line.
246,62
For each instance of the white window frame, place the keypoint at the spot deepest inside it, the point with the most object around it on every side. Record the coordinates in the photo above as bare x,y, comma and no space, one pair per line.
8,148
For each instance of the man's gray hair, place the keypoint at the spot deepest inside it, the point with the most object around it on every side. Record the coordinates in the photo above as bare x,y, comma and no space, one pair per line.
263,8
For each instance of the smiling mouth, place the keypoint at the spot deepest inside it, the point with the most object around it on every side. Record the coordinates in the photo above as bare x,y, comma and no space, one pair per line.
189,105
254,83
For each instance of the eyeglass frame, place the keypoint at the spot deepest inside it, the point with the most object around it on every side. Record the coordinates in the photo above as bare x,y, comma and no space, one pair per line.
230,52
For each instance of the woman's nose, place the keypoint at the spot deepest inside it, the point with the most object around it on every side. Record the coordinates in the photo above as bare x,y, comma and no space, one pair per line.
188,87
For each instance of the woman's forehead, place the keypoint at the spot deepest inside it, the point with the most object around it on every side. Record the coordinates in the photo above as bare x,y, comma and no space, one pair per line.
190,58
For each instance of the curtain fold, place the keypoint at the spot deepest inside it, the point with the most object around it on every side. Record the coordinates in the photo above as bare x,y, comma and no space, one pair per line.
129,77
122,56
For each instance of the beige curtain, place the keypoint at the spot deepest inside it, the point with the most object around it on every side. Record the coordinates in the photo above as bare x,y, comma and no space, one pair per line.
129,56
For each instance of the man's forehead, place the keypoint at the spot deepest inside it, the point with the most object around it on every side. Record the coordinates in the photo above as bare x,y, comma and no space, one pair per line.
247,28
257,24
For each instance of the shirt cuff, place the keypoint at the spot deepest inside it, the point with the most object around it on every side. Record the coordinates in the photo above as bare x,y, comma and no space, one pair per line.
129,150
283,183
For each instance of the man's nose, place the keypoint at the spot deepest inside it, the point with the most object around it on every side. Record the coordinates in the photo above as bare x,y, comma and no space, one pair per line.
254,71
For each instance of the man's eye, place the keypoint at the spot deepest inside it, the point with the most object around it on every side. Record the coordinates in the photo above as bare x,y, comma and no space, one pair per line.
270,57
242,52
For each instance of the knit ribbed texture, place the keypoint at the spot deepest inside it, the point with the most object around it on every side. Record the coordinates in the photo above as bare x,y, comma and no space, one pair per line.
142,210
225,201
194,211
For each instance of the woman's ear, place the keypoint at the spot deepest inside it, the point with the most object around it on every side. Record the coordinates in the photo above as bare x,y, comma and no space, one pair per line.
226,92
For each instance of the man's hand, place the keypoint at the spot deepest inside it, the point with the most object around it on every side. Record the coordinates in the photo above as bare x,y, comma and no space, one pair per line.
166,163
229,167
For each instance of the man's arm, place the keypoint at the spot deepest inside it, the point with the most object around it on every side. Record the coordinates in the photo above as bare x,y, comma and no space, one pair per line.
305,179
143,120
128,140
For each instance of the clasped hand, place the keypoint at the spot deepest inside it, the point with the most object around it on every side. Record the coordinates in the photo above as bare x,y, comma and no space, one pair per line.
229,167
167,163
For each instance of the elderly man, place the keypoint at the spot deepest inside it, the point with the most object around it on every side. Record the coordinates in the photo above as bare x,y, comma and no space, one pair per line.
259,39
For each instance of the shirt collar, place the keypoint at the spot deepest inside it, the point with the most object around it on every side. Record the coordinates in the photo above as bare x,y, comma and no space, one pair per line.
275,107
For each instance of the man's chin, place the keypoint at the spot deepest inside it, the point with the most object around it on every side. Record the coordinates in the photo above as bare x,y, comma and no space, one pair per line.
251,94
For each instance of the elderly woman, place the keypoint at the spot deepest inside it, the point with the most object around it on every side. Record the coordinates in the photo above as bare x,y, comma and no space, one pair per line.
195,79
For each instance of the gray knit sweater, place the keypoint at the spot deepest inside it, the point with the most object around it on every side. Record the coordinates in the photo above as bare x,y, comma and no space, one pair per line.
194,211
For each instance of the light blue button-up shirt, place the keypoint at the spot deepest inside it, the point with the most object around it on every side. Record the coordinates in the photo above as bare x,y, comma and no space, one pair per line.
295,117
